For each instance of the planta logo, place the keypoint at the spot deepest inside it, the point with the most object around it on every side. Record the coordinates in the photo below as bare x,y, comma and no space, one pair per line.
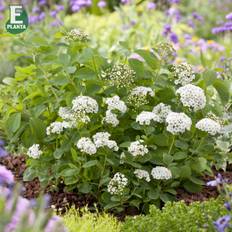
18,21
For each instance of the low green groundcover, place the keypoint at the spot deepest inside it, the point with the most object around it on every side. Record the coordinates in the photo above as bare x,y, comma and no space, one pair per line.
174,217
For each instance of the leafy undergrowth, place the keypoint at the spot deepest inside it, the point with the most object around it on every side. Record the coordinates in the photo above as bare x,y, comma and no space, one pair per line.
174,217
90,222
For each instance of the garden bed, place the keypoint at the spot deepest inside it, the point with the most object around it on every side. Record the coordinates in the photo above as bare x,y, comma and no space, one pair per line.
62,201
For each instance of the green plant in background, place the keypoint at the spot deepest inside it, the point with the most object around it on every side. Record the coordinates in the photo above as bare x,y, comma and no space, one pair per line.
90,222
76,113
174,217
178,217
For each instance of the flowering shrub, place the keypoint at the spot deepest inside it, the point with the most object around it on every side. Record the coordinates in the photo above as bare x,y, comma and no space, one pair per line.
127,133
20,214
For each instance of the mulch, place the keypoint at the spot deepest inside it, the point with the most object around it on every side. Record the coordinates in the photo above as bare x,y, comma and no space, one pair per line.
61,200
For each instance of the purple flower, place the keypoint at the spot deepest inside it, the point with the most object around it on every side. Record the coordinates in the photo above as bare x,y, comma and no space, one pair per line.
174,1
229,16
22,209
42,2
222,223
6,176
101,4
167,29
218,180
125,1
53,13
136,56
151,5
76,5
41,16
227,206
56,23
174,38
54,223
59,8
174,13
3,152
198,17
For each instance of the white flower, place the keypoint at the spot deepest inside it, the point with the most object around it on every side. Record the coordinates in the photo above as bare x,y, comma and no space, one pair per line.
146,117
142,174
184,73
84,104
192,96
117,184
101,139
111,118
208,125
162,111
85,145
137,149
34,151
65,113
178,122
114,103
142,91
58,127
161,173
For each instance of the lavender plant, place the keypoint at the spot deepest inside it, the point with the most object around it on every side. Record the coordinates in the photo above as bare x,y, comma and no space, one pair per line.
223,223
20,214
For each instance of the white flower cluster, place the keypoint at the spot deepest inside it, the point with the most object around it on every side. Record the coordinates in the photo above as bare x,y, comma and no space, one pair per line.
81,106
121,76
178,122
184,73
136,148
208,125
86,145
77,35
114,103
57,127
100,139
192,96
142,91
142,174
84,104
117,184
145,118
138,96
34,151
161,173
111,118
162,111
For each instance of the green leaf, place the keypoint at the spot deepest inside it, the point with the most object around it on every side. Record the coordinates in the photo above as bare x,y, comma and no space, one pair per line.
209,77
223,89
29,174
153,194
180,155
58,153
90,163
84,188
192,187
167,158
13,122
185,171
150,58
165,197
181,144
74,154
161,140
